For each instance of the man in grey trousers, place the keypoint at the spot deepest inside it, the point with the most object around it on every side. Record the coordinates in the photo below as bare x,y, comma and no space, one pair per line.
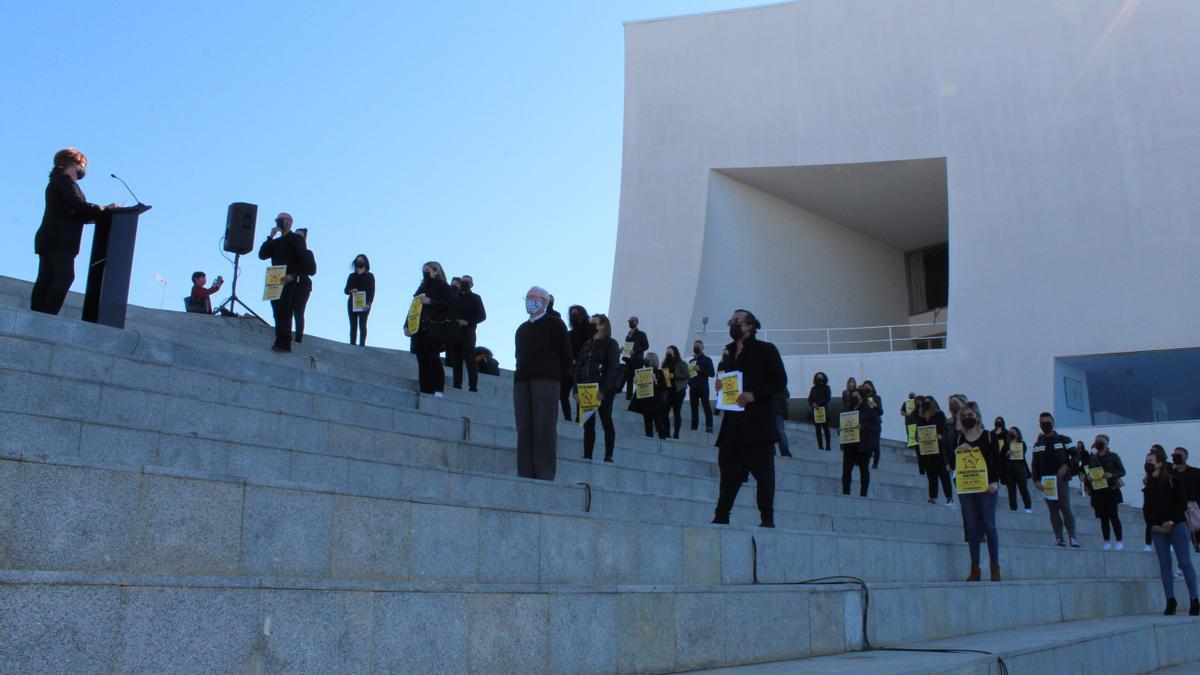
543,360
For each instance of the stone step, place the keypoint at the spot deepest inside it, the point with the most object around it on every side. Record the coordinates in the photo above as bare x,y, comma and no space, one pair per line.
82,518
1117,644
165,623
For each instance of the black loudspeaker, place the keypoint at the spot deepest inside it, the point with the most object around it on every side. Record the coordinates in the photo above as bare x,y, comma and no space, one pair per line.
239,227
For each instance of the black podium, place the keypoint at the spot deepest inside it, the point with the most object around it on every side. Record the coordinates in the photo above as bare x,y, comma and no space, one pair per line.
107,293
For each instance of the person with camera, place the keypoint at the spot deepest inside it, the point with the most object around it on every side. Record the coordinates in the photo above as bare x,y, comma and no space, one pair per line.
200,299
290,251
1164,508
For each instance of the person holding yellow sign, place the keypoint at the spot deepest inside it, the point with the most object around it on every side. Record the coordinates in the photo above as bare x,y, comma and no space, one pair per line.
819,396
360,292
432,332
700,368
934,463
1053,464
651,396
677,386
290,252
1015,470
599,364
859,436
977,473
1104,473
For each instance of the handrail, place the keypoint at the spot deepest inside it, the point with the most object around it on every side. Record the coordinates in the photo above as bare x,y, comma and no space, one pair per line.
830,342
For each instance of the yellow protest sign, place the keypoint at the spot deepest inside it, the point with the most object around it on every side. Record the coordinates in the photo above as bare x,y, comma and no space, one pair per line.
927,440
413,323
970,470
1096,478
819,415
912,435
273,288
668,376
1016,450
731,390
643,382
627,350
910,406
693,371
359,301
1050,487
588,396
848,428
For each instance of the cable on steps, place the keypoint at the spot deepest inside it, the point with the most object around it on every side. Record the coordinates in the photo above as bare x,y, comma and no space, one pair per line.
587,497
466,428
866,604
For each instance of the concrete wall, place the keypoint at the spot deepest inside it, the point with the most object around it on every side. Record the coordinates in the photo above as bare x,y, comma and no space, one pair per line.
1071,148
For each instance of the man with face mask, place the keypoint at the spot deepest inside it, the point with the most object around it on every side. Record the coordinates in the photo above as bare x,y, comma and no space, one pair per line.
288,250
1053,456
640,345
57,240
543,360
1190,477
744,445
698,387
466,312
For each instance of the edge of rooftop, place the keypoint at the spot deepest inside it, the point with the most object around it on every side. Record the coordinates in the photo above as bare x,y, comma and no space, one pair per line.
715,12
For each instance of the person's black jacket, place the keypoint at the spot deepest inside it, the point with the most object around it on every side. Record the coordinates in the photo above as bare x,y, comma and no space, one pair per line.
543,351
869,428
762,375
489,365
641,344
288,249
938,421
704,370
1190,477
654,404
819,396
1164,500
599,361
438,292
1111,464
364,282
1050,453
310,268
467,306
581,334
66,213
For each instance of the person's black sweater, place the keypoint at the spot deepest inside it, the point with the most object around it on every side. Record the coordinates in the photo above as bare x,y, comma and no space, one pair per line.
762,375
438,292
581,334
599,361
869,428
467,306
704,370
1190,477
819,396
938,421
1051,452
364,282
543,351
1111,463
289,250
66,213
1164,500
987,447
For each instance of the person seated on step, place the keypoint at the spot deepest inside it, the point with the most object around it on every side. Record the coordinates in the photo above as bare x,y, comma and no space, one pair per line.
488,365
200,301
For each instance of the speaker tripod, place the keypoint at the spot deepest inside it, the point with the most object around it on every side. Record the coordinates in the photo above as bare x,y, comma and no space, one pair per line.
233,299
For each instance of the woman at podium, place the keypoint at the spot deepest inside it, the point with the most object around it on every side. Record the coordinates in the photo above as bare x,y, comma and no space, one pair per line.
57,240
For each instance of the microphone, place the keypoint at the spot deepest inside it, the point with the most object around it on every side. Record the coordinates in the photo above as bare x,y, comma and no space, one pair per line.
126,188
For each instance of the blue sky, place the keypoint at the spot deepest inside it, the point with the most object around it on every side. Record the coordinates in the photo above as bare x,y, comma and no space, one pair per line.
484,135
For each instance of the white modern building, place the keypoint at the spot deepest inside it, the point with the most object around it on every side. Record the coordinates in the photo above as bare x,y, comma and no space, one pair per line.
1023,175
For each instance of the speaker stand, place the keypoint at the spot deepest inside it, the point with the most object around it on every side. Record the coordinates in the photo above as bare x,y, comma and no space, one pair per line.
233,300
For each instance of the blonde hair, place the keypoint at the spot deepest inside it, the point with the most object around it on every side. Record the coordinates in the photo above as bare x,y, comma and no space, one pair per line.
605,326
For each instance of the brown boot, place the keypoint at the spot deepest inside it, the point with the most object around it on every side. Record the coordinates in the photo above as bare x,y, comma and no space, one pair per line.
995,573
975,573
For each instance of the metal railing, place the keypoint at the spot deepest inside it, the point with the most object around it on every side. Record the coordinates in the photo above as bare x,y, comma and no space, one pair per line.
851,339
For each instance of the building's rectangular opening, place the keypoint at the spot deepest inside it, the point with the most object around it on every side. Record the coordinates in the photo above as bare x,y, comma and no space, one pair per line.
1128,388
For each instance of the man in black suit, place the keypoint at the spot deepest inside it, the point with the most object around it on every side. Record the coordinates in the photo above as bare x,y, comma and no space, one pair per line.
641,344
57,241
744,445
467,312
698,387
289,250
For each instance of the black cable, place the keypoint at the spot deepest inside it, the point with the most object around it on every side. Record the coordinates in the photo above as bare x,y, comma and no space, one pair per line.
587,498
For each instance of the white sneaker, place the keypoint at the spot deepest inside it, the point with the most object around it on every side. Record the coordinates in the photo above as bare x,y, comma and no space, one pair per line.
1147,548
1028,511
1120,546
950,503
438,394
1107,546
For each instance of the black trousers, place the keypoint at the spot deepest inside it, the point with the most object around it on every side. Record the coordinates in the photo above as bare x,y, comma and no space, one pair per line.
675,406
430,372
851,459
655,421
462,349
282,310
358,325
1023,487
819,428
564,397
736,462
56,273
698,396
610,432
935,471
299,303
1107,512
627,377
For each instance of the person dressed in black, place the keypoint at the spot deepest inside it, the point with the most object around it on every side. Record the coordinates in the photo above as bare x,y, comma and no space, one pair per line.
874,396
486,362
580,331
429,340
1190,477
598,361
819,395
288,250
466,313
360,281
1014,470
1054,457
653,408
676,388
57,240
1164,508
1106,498
303,285
746,436
859,454
633,351
698,387
936,465
543,360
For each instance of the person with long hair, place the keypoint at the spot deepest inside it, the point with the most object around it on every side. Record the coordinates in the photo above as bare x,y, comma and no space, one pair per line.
1165,510
1015,471
429,340
819,396
303,286
651,408
676,390
974,444
935,465
599,362
1105,499
360,280
579,330
876,402
859,454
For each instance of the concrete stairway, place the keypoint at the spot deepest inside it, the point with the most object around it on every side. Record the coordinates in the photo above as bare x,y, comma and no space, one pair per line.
181,498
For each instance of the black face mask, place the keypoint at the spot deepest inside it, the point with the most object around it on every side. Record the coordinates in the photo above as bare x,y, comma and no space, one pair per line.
465,286
80,173
697,351
735,331
1178,459
969,422
1047,427
1100,446
1150,468
632,325
360,269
